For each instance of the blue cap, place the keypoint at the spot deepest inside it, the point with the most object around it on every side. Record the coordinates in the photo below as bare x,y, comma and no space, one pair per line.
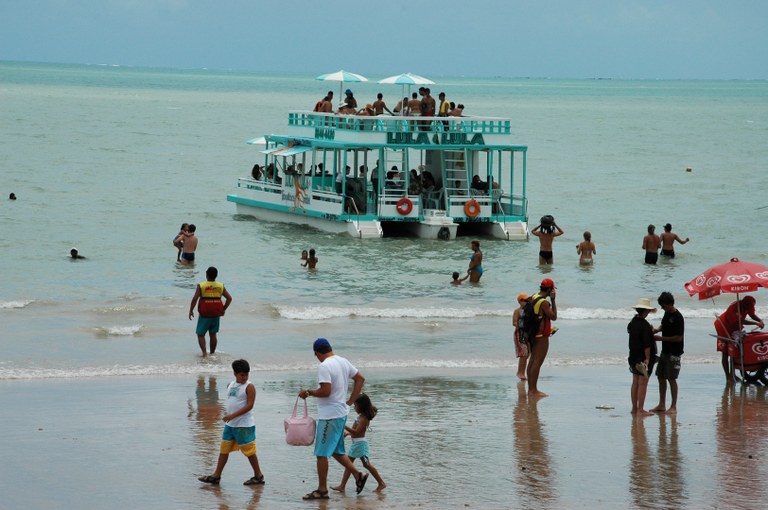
348,91
321,344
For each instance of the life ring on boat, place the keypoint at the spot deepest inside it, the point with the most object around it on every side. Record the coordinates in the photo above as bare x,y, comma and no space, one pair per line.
404,206
472,208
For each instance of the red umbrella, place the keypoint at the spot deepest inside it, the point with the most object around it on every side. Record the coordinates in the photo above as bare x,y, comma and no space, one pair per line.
734,277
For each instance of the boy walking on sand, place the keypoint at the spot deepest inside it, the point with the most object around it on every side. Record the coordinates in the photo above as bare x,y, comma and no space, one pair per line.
240,427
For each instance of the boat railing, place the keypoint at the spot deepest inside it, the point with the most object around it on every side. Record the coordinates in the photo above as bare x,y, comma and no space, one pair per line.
400,124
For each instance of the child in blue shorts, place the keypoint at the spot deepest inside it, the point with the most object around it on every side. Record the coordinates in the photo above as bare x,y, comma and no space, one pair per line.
359,449
240,427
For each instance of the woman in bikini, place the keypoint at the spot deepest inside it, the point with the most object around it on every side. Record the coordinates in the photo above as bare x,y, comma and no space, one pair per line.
586,249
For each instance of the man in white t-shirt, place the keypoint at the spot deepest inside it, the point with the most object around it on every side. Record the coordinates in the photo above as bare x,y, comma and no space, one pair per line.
333,375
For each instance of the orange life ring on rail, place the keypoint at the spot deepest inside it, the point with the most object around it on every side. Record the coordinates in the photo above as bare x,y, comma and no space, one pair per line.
472,208
404,206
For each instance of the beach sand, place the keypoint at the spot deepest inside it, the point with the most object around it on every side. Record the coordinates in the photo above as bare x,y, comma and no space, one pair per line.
444,438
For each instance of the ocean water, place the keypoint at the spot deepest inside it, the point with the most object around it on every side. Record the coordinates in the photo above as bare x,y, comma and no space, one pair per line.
112,160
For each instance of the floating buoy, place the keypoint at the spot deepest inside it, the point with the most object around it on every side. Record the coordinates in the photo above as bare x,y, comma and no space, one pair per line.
689,169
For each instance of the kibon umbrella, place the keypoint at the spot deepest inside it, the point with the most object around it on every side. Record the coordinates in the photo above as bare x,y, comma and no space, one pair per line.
733,277
341,77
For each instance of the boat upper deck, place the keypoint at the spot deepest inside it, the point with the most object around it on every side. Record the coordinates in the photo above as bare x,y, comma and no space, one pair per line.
416,132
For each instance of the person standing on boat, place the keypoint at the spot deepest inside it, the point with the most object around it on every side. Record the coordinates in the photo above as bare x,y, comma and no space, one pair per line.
546,231
210,308
402,107
651,244
547,312
668,239
350,104
475,262
379,105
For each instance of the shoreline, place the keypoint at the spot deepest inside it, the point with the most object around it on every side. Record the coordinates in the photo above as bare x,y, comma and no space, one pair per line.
438,432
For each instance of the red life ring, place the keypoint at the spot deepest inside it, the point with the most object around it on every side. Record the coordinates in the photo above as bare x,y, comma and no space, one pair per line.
404,206
472,208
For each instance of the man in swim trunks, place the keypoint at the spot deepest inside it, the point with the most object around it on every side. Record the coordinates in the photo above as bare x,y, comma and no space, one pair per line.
210,308
546,234
651,244
189,246
333,375
668,239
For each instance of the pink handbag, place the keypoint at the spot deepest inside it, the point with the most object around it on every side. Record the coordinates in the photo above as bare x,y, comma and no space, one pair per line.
299,430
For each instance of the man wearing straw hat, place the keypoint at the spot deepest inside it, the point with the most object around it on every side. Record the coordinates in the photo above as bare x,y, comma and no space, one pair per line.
642,354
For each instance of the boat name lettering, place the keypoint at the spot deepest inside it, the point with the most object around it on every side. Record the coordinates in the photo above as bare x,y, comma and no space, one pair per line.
325,133
444,139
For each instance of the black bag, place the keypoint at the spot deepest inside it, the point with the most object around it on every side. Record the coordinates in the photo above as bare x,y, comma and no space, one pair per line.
529,322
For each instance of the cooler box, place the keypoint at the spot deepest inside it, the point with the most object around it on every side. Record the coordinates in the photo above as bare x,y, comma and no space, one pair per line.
755,351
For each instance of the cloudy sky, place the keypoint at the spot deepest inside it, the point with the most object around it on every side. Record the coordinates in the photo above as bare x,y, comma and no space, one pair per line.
676,39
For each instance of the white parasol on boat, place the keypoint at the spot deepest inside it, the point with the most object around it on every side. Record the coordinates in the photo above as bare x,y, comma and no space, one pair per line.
341,77
406,79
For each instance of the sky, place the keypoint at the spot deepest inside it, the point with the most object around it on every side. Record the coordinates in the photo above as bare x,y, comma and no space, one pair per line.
633,39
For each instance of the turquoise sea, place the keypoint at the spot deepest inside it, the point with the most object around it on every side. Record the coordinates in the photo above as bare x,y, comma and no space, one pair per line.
112,160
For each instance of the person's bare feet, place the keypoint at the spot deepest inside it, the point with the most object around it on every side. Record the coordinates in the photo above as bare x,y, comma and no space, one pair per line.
380,487
537,394
338,488
643,413
671,410
659,409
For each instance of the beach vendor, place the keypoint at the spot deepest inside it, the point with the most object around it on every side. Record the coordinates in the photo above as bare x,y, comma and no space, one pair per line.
731,322
210,308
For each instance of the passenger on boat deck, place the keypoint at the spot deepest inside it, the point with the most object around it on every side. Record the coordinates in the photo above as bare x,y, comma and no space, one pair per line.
256,172
427,108
444,105
478,184
339,178
415,186
325,105
458,189
300,169
399,107
379,105
457,112
272,175
393,179
414,105
319,169
367,110
350,104
362,171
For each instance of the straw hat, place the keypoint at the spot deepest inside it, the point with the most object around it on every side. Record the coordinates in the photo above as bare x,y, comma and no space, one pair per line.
645,304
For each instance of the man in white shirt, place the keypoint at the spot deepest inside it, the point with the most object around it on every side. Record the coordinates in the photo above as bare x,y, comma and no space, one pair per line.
332,409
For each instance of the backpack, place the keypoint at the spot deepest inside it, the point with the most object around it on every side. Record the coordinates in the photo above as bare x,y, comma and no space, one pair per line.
529,322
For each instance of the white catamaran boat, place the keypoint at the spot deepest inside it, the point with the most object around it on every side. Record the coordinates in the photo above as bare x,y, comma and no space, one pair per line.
371,176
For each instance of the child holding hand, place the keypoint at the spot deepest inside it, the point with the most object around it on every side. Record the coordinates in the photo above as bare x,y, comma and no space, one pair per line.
359,449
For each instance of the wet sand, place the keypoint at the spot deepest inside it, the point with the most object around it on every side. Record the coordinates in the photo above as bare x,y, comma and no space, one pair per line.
444,438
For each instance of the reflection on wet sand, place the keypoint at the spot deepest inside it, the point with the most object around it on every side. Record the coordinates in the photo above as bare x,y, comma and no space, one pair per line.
656,481
535,482
205,417
742,443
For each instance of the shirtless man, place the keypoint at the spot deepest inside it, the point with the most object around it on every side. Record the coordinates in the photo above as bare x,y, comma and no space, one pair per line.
189,246
546,235
379,105
325,105
414,105
668,239
651,244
